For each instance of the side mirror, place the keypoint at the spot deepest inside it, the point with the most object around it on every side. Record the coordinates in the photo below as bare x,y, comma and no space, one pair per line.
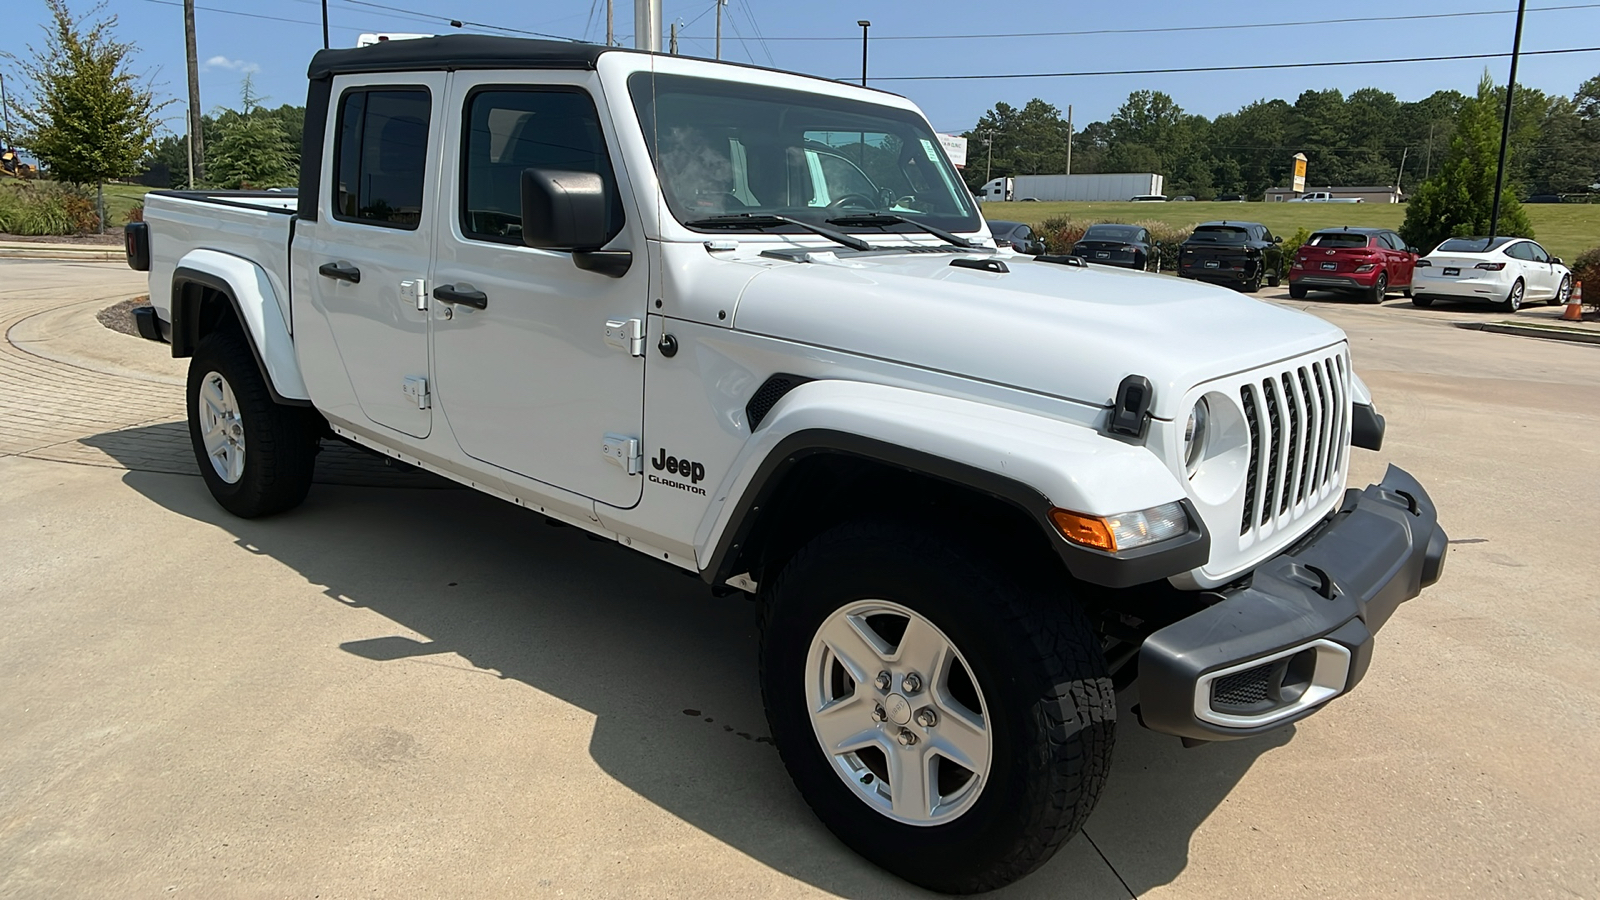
1411,249
1556,261
1277,240
567,211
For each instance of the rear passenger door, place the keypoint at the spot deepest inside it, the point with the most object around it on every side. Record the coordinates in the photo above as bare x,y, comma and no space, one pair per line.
369,248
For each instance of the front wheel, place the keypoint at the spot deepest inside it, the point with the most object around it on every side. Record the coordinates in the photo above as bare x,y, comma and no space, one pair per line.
946,721
1513,301
256,456
1297,291
1563,294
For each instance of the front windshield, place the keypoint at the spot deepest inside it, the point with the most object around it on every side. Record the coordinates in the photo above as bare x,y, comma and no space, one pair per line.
729,149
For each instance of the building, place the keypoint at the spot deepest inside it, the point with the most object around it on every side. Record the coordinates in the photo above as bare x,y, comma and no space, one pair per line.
1381,193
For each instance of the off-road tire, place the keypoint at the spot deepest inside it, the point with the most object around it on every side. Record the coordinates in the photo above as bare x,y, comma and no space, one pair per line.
280,441
1298,291
1033,653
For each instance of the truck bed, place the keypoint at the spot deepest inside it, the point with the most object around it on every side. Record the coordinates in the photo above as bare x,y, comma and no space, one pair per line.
252,225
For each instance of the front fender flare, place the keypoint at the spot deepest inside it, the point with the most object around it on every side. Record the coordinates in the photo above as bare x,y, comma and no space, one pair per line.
255,303
1033,462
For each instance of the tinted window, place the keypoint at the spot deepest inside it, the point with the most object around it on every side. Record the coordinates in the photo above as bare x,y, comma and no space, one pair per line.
1337,239
1470,245
1113,233
380,156
1536,252
1219,234
1518,251
511,130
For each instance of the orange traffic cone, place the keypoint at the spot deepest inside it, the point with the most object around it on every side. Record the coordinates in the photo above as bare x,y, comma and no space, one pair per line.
1574,311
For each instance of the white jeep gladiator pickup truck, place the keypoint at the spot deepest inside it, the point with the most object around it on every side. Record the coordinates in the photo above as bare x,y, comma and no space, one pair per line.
751,324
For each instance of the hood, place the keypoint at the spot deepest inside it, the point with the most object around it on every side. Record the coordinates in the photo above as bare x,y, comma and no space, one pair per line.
1053,329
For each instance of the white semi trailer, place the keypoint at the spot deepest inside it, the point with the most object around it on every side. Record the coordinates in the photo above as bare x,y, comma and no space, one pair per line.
1115,186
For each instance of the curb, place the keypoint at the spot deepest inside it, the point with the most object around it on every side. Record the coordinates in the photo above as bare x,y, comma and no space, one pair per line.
96,254
1549,334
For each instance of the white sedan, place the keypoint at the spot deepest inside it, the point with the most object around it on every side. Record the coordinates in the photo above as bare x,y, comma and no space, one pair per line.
1506,271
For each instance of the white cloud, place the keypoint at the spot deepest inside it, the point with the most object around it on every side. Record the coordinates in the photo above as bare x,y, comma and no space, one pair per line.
233,65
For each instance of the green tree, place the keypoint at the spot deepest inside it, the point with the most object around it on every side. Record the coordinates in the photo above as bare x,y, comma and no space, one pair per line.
252,149
1027,141
1456,202
87,118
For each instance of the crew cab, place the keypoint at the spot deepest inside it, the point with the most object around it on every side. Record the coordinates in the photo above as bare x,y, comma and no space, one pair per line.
1368,262
1239,254
974,492
1323,197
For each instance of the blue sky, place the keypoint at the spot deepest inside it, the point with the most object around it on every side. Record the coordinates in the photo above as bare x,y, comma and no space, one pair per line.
277,51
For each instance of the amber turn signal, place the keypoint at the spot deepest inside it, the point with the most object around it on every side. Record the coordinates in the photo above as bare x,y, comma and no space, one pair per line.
1090,531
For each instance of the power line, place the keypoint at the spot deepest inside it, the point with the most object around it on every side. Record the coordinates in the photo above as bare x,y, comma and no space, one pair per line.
451,21
1179,29
1250,68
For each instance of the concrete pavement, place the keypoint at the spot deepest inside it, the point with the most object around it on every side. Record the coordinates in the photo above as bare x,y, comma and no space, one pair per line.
429,692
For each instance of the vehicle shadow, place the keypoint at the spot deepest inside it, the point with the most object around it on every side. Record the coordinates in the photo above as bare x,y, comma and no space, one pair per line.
667,670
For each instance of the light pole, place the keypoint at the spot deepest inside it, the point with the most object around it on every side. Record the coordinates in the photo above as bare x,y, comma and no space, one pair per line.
324,24
864,26
1505,126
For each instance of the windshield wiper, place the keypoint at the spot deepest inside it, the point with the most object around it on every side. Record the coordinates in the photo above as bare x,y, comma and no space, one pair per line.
766,220
890,219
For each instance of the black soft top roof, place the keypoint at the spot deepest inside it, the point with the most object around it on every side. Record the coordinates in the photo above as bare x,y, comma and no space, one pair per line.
456,51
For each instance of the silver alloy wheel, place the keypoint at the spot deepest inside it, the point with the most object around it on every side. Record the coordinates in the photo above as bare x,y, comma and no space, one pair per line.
1563,293
1515,300
917,751
221,427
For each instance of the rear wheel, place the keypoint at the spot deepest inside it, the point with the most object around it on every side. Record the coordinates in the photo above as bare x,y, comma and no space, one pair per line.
1375,294
1254,284
256,456
1513,301
1423,302
1563,294
1297,291
1274,279
945,720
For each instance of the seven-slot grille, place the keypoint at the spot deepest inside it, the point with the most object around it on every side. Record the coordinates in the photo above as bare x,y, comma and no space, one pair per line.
1299,449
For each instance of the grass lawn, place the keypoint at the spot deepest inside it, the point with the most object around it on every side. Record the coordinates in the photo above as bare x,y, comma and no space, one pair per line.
119,199
1565,229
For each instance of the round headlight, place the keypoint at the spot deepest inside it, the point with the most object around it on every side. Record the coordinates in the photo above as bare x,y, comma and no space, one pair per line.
1194,435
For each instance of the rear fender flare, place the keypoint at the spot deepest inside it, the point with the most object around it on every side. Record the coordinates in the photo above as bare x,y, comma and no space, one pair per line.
255,304
1031,461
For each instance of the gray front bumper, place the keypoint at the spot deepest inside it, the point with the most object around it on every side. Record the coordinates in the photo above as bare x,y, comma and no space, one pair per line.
1301,632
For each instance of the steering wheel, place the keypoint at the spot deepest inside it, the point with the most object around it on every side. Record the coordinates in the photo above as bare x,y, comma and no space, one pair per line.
860,201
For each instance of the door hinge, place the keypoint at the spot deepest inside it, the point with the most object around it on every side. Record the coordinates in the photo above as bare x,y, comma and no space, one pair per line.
623,451
626,334
415,291
416,387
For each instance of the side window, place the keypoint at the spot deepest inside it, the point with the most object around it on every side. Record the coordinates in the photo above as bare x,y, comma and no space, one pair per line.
1536,253
1519,250
512,129
380,156
1025,233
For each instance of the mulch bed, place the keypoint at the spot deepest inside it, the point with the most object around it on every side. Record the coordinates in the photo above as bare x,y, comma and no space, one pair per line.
119,318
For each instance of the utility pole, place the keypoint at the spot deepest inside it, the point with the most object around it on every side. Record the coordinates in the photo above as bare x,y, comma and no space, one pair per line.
1505,125
5,107
1069,138
988,163
1427,162
673,46
720,5
864,26
647,25
609,41
197,139
1401,174
324,23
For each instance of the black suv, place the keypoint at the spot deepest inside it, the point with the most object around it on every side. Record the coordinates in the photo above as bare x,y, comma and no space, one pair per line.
1237,254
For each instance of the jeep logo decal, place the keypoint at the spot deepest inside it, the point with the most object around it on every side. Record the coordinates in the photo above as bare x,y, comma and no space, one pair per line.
683,468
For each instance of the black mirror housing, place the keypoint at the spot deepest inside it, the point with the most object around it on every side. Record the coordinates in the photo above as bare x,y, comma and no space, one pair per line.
564,210
1556,260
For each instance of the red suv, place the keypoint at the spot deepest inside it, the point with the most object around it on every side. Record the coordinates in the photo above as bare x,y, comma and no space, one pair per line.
1368,262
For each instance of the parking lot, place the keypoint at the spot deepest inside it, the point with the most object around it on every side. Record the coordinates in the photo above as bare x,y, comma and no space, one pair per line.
403,688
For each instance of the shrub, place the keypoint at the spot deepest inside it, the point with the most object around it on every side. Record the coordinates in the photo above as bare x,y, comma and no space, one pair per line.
1166,240
1059,233
46,208
135,214
1587,268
